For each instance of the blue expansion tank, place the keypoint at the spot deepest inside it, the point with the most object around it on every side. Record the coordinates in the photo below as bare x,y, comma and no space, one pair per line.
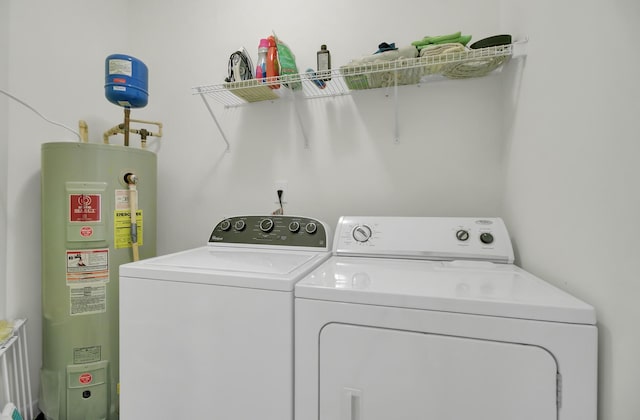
126,81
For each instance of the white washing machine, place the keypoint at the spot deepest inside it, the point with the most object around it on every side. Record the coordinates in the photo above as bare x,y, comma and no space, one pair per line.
208,333
428,318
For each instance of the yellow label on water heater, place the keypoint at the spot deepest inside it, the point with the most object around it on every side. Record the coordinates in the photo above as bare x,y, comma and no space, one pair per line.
122,228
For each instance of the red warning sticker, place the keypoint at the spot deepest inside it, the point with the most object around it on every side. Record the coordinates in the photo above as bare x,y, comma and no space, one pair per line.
84,207
85,378
86,231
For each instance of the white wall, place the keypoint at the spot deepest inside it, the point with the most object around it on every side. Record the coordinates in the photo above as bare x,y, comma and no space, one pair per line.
4,151
556,158
448,161
572,198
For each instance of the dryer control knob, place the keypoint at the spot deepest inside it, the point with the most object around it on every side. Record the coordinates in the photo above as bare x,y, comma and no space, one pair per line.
486,238
311,227
462,235
361,233
239,225
266,225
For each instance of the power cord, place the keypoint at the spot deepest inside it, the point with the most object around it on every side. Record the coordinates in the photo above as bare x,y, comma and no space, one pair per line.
39,114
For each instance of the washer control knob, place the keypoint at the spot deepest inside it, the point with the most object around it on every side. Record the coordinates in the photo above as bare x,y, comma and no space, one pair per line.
239,225
361,233
486,238
225,225
462,235
266,225
311,228
294,227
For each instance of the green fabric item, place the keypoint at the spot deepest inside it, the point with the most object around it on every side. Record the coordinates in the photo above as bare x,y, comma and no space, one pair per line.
464,40
436,39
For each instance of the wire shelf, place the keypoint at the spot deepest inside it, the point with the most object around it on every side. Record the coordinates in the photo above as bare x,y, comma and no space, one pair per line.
15,381
341,81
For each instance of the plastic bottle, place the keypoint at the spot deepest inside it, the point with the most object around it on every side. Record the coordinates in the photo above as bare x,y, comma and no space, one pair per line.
273,67
324,63
261,67
314,78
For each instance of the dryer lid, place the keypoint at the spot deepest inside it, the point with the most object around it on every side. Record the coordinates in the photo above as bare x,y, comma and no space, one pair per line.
470,287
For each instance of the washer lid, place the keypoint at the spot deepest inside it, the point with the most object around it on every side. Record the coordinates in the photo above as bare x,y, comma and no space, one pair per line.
252,268
470,287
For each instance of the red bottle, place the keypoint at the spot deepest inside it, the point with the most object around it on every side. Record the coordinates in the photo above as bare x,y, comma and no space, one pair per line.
273,67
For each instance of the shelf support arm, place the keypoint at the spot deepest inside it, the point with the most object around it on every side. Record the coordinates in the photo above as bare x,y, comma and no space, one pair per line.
304,133
396,124
224,137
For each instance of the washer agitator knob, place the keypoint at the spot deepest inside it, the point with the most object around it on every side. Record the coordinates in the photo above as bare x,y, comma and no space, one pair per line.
266,225
239,225
294,227
225,225
361,233
462,235
486,238
311,227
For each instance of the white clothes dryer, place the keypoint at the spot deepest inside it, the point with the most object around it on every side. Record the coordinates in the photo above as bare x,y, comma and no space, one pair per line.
207,333
428,318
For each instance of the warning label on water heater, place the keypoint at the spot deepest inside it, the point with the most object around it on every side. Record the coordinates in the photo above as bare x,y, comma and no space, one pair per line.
87,266
85,300
84,207
122,228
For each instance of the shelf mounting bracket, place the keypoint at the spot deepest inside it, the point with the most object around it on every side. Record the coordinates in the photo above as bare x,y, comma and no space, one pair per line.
304,133
224,137
396,124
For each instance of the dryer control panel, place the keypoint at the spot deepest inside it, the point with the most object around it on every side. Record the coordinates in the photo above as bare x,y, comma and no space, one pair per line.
280,231
430,238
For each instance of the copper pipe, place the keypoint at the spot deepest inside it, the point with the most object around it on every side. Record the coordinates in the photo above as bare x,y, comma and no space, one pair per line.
127,114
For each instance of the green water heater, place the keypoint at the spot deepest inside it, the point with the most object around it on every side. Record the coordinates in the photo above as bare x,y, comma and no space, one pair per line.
86,235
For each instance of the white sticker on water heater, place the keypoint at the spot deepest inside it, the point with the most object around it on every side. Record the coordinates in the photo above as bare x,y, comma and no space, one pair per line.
122,199
87,266
85,300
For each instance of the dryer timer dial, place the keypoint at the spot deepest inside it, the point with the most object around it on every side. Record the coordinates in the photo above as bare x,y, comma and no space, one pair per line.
462,235
361,233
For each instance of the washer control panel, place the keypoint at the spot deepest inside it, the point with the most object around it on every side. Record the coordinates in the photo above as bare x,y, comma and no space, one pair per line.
434,238
287,231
